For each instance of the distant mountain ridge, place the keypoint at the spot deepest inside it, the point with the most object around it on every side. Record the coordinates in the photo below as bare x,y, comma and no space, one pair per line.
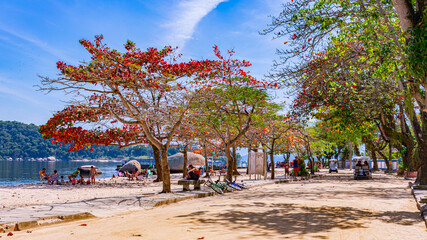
23,141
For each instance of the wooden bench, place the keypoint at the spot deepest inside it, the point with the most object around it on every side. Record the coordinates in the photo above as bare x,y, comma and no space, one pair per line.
186,184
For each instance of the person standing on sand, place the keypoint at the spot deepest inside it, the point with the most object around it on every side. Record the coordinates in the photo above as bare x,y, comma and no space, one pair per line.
92,174
286,169
295,167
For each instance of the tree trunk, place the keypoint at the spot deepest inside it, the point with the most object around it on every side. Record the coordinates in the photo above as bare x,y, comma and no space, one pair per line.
340,148
184,168
312,164
405,13
229,163
390,155
272,159
158,161
235,172
350,153
385,159
408,19
357,151
249,151
310,158
206,161
422,172
286,156
422,144
374,160
165,170
272,164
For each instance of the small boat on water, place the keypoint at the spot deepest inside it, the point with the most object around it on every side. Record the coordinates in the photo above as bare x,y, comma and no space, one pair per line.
85,169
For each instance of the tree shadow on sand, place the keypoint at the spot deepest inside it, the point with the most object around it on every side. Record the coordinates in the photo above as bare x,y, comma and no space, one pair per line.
272,219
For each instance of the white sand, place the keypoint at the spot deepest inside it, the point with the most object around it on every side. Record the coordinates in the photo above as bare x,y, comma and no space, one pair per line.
15,196
316,209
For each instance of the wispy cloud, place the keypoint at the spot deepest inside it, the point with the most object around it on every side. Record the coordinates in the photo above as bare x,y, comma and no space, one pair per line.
185,19
40,44
19,94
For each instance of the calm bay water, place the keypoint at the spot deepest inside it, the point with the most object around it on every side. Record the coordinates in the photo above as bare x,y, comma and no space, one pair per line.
22,172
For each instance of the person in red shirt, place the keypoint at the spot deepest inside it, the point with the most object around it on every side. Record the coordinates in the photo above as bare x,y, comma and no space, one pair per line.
295,167
193,173
286,169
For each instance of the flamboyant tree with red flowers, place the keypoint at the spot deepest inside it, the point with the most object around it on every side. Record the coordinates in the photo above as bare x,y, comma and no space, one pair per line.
228,105
131,98
124,99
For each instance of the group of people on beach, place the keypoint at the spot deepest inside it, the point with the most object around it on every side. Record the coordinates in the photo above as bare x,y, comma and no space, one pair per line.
51,179
136,175
54,177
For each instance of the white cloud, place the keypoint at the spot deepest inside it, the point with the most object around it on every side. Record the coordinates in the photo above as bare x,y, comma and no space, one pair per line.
19,95
42,45
185,19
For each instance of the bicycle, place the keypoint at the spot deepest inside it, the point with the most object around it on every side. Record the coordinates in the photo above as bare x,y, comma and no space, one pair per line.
209,183
233,185
224,186
241,185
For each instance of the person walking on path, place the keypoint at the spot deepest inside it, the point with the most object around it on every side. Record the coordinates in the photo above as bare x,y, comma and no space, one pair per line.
92,174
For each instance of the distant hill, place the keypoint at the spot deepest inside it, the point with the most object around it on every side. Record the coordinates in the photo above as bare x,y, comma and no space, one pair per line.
20,140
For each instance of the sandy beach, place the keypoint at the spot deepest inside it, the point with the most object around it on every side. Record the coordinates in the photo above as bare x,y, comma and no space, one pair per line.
325,208
13,196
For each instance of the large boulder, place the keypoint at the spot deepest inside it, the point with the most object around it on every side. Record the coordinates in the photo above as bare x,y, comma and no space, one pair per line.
176,161
85,170
131,166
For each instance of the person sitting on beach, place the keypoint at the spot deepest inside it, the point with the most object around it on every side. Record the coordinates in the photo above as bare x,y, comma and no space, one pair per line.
43,174
74,174
144,173
131,175
92,174
359,164
366,163
62,181
54,178
135,174
193,173
127,174
81,180
223,171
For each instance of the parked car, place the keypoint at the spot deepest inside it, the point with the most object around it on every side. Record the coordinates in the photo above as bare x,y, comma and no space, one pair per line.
333,165
362,172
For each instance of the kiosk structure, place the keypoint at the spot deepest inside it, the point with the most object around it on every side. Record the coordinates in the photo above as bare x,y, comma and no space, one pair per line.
257,164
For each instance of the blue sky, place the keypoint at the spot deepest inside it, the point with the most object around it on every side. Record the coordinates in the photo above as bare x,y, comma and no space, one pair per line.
35,34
